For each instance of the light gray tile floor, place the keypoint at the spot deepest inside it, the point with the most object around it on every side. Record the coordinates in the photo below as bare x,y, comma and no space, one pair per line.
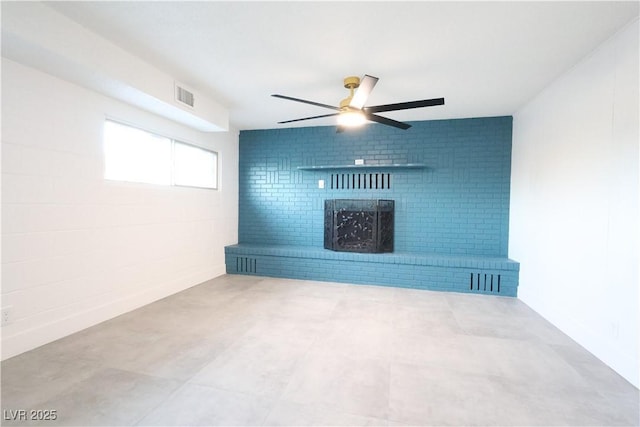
242,350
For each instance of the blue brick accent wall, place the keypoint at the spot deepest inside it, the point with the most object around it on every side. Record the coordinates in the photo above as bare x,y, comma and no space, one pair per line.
457,205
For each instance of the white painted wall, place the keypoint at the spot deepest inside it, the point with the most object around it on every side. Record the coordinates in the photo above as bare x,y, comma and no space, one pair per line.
36,35
76,249
574,202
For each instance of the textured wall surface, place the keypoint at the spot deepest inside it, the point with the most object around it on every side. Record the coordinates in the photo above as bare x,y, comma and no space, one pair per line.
78,249
458,204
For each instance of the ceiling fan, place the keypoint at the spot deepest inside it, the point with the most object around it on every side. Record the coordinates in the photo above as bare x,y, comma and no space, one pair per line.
352,111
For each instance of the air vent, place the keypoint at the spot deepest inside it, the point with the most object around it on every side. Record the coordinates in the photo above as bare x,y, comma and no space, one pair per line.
360,181
246,265
184,96
484,282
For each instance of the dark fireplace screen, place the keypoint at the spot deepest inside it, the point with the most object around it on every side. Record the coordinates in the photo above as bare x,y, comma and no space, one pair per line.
357,225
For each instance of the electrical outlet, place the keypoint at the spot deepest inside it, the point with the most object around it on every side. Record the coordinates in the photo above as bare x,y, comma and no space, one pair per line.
615,330
6,315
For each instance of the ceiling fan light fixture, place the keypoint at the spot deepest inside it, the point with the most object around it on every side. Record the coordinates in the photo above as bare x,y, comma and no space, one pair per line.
351,118
352,111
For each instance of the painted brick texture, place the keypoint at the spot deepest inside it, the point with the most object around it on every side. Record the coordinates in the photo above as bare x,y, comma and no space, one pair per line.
458,204
484,275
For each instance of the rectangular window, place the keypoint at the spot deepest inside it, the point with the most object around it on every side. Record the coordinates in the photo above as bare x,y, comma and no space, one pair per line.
132,154
194,167
135,155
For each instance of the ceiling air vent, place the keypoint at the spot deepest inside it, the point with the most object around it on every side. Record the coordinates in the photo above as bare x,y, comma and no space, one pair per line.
184,96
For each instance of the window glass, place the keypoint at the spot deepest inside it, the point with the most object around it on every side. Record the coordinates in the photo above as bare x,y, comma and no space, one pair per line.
194,166
135,155
132,154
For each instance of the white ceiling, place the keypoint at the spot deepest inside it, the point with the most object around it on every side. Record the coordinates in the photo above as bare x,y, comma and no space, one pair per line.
484,58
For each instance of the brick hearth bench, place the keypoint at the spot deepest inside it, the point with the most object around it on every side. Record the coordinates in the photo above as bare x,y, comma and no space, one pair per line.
456,273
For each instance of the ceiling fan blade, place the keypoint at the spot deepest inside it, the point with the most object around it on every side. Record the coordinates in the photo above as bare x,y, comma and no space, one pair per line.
404,105
309,118
307,102
364,90
386,121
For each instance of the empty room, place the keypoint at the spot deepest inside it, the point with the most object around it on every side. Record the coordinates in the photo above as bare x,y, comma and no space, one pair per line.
320,213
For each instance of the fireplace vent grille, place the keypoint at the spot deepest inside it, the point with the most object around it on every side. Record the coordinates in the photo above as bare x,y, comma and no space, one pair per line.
246,265
485,282
360,181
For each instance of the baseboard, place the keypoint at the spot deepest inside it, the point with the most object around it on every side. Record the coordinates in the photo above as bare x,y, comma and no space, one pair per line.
625,365
30,339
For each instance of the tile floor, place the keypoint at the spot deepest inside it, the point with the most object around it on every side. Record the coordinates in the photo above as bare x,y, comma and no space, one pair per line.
241,350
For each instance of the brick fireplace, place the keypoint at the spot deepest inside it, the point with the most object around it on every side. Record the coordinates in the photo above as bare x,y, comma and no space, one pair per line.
450,224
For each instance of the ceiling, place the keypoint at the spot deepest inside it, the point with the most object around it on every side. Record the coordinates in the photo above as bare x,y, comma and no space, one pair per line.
484,58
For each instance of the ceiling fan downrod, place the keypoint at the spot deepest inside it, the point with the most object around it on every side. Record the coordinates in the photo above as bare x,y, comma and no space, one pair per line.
352,83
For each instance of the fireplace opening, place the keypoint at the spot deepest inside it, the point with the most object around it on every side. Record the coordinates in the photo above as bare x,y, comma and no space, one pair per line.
358,225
